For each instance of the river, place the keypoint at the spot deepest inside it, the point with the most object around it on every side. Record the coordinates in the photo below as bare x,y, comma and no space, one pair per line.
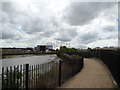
31,60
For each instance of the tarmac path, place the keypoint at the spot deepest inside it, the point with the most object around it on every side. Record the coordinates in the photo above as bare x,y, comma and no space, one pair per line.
93,75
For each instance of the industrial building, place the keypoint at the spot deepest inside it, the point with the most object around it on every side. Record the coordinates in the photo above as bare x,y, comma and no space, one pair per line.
44,48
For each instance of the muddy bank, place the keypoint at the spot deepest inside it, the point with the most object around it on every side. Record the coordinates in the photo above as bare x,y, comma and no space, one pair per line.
67,57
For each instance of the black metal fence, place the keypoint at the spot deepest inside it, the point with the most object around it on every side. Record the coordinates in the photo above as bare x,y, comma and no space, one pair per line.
112,61
48,75
69,69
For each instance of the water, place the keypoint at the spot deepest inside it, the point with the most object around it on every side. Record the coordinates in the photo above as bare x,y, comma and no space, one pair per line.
31,60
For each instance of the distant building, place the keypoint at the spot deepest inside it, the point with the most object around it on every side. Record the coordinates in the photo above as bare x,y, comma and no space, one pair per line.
97,48
15,50
110,48
44,48
49,47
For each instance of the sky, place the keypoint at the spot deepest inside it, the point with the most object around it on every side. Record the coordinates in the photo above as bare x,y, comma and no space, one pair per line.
28,23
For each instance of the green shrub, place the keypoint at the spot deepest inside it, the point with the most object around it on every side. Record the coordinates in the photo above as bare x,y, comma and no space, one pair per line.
64,49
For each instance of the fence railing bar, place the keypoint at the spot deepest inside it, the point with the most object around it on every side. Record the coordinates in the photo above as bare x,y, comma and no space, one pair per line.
3,78
17,76
36,76
42,74
60,64
49,74
11,82
21,76
38,73
32,78
14,76
27,76
7,78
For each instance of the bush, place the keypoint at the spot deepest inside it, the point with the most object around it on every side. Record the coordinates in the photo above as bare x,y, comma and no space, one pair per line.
87,54
64,49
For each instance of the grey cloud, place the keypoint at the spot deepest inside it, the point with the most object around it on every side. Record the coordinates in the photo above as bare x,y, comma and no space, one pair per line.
63,39
31,23
8,33
33,26
109,28
7,7
81,46
89,37
113,36
81,13
10,9
66,35
9,41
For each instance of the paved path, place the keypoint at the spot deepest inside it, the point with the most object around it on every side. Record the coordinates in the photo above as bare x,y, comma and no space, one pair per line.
93,75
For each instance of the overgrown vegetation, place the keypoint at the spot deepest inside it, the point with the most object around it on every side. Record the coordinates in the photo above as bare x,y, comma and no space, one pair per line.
75,54
64,49
87,54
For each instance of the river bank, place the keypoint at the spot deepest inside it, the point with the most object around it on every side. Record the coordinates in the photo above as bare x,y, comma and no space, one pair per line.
12,55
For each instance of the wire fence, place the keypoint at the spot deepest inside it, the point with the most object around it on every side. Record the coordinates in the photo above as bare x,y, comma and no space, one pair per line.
112,61
49,75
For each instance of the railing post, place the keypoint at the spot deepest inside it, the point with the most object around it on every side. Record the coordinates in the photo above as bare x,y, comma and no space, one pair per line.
73,69
2,78
59,82
82,59
81,62
27,71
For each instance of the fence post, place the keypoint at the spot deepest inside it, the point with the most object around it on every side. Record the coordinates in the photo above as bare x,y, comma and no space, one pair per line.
73,72
82,59
59,82
81,62
2,78
27,71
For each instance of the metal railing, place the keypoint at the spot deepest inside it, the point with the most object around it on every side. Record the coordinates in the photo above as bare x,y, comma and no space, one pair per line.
112,61
49,75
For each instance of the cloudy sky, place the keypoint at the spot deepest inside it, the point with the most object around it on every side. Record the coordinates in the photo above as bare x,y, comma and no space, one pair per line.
79,24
